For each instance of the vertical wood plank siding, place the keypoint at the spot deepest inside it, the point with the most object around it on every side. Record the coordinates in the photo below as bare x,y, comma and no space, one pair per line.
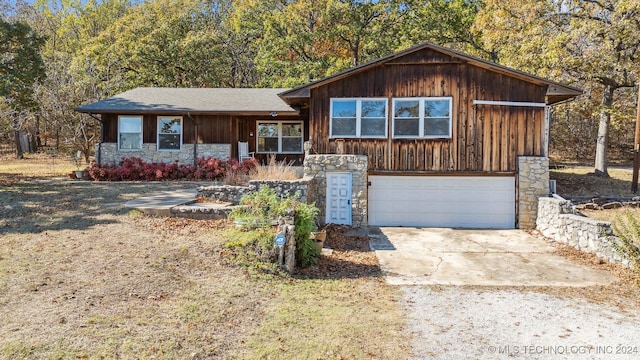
484,137
212,129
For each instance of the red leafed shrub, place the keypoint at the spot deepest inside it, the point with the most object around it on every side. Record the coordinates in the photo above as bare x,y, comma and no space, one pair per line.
136,169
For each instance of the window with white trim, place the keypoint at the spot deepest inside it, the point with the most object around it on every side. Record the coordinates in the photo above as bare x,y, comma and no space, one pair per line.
129,132
422,117
169,133
358,118
283,137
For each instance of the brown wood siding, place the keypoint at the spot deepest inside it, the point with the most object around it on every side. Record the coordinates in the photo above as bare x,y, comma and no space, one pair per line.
485,138
110,128
212,129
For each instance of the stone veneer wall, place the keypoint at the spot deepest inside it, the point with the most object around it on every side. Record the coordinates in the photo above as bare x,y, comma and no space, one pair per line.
533,183
556,219
317,167
303,189
111,155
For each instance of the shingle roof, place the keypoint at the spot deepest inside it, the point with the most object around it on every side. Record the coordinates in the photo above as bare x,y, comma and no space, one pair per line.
194,101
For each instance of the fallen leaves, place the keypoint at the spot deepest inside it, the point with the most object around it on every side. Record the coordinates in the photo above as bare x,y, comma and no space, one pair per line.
351,257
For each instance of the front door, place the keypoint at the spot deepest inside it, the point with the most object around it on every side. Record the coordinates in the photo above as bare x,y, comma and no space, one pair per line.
338,198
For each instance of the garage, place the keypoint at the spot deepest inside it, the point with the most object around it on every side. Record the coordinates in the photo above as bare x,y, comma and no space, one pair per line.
442,201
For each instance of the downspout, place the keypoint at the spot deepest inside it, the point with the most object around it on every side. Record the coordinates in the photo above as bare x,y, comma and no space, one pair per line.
547,125
99,152
195,138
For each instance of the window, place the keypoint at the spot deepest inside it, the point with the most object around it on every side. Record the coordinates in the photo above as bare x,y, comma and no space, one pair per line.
129,132
169,132
280,137
353,118
422,117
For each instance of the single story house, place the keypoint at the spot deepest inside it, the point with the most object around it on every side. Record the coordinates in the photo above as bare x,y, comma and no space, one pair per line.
445,139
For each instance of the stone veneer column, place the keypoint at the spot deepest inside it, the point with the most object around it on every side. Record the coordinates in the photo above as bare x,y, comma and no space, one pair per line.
317,166
533,182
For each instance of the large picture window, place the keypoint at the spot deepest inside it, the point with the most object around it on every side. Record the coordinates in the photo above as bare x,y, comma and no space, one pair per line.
280,137
129,132
422,117
354,118
169,132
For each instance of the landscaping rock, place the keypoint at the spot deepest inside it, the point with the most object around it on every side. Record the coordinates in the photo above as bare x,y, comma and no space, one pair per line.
612,205
588,206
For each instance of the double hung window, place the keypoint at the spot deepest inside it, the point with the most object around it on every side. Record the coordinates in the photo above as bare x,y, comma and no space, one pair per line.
169,132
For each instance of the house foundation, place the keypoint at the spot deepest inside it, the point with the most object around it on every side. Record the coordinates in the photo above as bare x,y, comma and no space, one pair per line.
109,154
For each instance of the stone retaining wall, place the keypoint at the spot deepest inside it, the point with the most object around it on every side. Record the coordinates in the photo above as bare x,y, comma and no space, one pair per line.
533,183
303,189
110,155
317,167
557,221
225,193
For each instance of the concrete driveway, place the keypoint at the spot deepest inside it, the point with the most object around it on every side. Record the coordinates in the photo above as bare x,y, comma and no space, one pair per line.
430,256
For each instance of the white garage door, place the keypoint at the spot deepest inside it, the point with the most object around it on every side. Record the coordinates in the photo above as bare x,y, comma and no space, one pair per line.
442,201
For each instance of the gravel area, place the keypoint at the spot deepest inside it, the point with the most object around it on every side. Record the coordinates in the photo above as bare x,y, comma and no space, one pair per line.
475,323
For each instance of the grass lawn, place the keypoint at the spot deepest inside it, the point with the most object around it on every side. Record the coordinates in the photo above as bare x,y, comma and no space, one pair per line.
34,166
579,181
80,277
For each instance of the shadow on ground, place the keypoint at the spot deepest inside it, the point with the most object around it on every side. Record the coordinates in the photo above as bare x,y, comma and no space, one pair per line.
39,206
347,255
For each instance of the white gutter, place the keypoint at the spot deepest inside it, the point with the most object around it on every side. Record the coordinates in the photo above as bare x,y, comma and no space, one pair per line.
508,103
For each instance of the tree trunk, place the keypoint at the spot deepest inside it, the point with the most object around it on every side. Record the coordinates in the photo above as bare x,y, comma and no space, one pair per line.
16,133
603,132
38,141
355,51
19,154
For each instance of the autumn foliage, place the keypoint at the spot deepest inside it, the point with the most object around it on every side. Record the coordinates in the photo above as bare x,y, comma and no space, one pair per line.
136,169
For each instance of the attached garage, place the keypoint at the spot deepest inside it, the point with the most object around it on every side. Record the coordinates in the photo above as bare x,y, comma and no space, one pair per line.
442,201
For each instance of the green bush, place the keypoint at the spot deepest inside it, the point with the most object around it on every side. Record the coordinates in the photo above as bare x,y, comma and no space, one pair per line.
257,208
253,247
261,207
627,229
305,221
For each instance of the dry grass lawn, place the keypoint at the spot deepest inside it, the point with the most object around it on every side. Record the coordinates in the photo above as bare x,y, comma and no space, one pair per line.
580,181
34,166
80,277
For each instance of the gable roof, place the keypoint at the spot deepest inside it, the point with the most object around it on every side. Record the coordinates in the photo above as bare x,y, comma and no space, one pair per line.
556,91
239,101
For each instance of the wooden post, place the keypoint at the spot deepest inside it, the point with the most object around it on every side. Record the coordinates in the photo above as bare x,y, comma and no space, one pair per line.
636,148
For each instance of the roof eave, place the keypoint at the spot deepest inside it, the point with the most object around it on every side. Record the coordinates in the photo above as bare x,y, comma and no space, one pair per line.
187,112
304,91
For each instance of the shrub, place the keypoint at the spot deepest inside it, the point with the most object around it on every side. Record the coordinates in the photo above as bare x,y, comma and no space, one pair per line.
136,169
307,252
627,229
258,208
250,247
262,206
